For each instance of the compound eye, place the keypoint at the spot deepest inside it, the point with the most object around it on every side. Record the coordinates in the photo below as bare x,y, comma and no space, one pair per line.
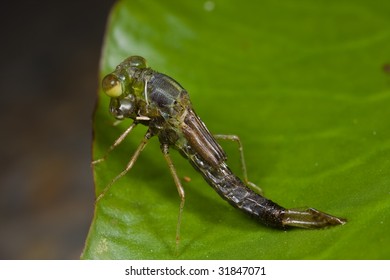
137,61
122,108
112,86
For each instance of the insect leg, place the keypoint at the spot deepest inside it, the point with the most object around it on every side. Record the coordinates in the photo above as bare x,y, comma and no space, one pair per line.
236,139
165,150
116,143
133,159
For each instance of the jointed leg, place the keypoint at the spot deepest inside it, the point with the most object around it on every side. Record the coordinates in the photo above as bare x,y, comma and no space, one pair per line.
236,139
133,159
116,143
165,150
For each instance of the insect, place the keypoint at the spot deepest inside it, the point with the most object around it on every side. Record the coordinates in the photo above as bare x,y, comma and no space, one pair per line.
159,102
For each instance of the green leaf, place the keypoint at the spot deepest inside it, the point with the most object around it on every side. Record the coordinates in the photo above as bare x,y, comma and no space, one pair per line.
306,86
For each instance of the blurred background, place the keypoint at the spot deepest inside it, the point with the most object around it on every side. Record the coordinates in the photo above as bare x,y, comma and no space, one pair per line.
49,64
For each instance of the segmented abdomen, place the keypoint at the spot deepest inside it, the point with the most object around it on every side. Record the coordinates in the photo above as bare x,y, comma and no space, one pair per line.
233,190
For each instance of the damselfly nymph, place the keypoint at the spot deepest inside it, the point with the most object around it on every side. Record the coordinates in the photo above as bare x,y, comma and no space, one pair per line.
159,102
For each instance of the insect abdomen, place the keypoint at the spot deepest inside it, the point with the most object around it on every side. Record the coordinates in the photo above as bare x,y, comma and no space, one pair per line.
233,190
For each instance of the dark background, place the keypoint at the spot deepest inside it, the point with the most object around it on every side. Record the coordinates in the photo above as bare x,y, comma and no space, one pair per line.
49,65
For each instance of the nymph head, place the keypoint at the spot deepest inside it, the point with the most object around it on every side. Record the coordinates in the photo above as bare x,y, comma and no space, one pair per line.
119,86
